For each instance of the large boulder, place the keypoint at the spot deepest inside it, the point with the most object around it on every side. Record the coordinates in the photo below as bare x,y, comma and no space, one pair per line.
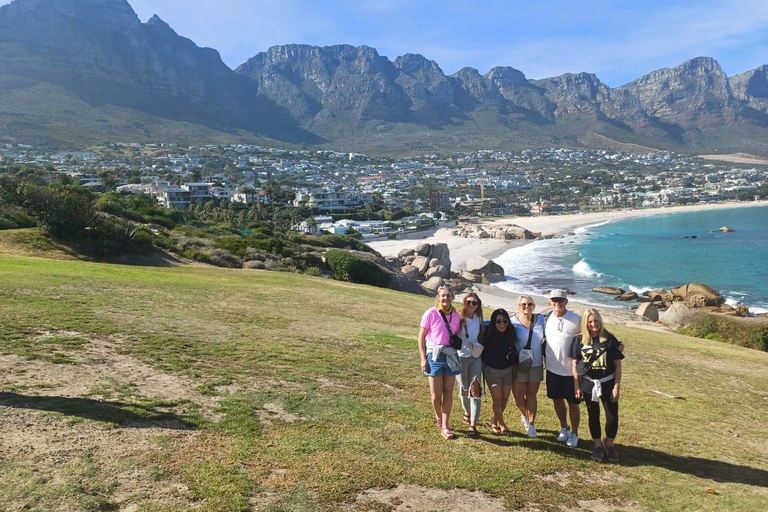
626,296
439,270
480,265
648,311
609,290
411,271
421,263
442,253
432,284
492,277
726,229
423,249
676,315
697,295
404,253
397,280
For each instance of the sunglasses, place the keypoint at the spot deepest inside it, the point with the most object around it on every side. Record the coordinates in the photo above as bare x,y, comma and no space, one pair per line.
526,304
471,303
557,300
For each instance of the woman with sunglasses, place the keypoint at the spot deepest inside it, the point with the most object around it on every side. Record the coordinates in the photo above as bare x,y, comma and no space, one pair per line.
498,356
439,361
528,325
470,379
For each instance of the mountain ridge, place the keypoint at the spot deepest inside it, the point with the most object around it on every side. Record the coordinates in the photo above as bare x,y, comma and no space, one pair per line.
348,97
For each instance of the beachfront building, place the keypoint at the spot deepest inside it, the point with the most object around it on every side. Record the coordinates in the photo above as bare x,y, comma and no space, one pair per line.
327,198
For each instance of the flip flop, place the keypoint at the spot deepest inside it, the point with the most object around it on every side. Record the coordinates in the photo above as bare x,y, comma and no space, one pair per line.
447,433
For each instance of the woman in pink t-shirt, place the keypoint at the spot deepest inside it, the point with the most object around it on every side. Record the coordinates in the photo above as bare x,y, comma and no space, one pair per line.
440,361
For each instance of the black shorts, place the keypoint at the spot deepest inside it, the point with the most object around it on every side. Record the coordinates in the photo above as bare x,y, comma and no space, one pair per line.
559,386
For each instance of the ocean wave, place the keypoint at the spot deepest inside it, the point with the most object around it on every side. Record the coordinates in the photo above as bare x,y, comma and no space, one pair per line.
640,289
584,229
582,269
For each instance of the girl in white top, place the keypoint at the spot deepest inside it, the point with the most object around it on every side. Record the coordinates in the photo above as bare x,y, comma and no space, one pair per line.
470,380
526,384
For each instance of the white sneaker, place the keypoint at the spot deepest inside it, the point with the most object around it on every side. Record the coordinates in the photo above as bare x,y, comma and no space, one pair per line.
532,432
524,421
573,441
564,435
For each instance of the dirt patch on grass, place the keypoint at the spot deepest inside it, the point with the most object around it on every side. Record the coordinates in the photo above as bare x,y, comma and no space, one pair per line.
407,498
99,368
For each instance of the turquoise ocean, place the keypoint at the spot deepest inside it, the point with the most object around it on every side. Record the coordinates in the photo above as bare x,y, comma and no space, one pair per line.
659,251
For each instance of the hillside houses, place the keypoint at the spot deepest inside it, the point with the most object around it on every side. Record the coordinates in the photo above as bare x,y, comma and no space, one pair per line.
536,181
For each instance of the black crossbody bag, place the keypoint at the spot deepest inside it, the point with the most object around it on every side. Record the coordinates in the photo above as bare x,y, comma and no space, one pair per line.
455,338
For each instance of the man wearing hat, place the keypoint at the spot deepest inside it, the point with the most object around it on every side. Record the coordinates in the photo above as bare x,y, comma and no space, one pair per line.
561,327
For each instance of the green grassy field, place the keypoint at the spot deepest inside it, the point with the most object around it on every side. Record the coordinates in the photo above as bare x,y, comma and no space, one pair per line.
195,388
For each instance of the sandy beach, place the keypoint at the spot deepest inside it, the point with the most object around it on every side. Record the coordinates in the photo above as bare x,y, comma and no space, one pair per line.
462,249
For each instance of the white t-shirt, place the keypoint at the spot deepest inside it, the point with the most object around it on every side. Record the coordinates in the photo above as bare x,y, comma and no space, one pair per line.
469,336
560,333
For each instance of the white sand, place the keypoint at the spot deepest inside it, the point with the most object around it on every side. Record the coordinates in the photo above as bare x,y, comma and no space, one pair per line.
463,248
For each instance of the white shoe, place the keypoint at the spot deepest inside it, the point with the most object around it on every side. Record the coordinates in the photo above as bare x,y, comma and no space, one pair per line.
524,421
532,432
564,435
573,441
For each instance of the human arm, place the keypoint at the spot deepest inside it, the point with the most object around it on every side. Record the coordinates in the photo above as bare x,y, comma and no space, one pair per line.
422,342
616,387
576,383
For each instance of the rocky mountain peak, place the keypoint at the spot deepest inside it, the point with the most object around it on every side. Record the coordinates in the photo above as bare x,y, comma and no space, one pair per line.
103,15
506,76
411,63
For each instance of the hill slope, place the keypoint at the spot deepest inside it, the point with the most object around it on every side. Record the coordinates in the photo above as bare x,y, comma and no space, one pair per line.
180,387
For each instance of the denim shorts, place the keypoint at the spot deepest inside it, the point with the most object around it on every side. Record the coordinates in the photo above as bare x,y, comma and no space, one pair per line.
439,367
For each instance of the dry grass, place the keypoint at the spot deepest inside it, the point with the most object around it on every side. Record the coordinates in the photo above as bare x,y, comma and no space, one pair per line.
193,388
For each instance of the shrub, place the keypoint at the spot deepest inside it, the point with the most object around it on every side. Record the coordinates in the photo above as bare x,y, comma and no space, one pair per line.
745,332
348,267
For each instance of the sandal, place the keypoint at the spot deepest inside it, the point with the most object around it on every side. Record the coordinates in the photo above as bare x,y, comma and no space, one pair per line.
447,433
472,432
439,423
465,419
494,428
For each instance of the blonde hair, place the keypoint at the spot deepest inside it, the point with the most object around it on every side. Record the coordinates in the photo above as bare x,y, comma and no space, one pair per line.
529,299
586,338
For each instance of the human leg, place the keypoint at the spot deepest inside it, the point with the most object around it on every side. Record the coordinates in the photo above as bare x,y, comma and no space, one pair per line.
531,400
448,385
463,380
436,392
475,373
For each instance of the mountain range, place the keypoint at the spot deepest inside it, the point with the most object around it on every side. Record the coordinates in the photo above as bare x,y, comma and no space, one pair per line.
75,72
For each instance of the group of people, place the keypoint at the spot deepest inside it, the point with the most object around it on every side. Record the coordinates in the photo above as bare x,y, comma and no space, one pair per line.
509,355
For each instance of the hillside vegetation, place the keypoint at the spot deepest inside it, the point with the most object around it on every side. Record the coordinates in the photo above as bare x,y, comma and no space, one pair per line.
198,388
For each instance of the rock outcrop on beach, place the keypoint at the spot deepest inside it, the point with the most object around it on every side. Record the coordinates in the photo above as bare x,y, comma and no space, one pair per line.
430,265
497,232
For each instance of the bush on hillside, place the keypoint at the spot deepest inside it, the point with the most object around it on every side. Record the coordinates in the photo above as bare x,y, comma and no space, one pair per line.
348,267
745,332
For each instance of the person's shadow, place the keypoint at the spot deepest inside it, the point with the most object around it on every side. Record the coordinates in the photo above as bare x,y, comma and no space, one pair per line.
637,456
123,414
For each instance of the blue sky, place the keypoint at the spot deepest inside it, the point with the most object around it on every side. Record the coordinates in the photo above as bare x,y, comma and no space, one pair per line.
618,40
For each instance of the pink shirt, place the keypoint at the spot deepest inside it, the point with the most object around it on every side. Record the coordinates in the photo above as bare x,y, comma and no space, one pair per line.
432,322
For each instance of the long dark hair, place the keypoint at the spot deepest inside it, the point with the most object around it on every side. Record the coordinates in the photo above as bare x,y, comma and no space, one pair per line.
494,336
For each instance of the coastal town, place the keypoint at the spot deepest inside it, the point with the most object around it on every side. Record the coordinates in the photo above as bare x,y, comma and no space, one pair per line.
420,188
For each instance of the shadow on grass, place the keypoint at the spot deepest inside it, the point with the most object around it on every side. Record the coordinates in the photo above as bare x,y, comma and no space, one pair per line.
123,414
636,456
716,470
